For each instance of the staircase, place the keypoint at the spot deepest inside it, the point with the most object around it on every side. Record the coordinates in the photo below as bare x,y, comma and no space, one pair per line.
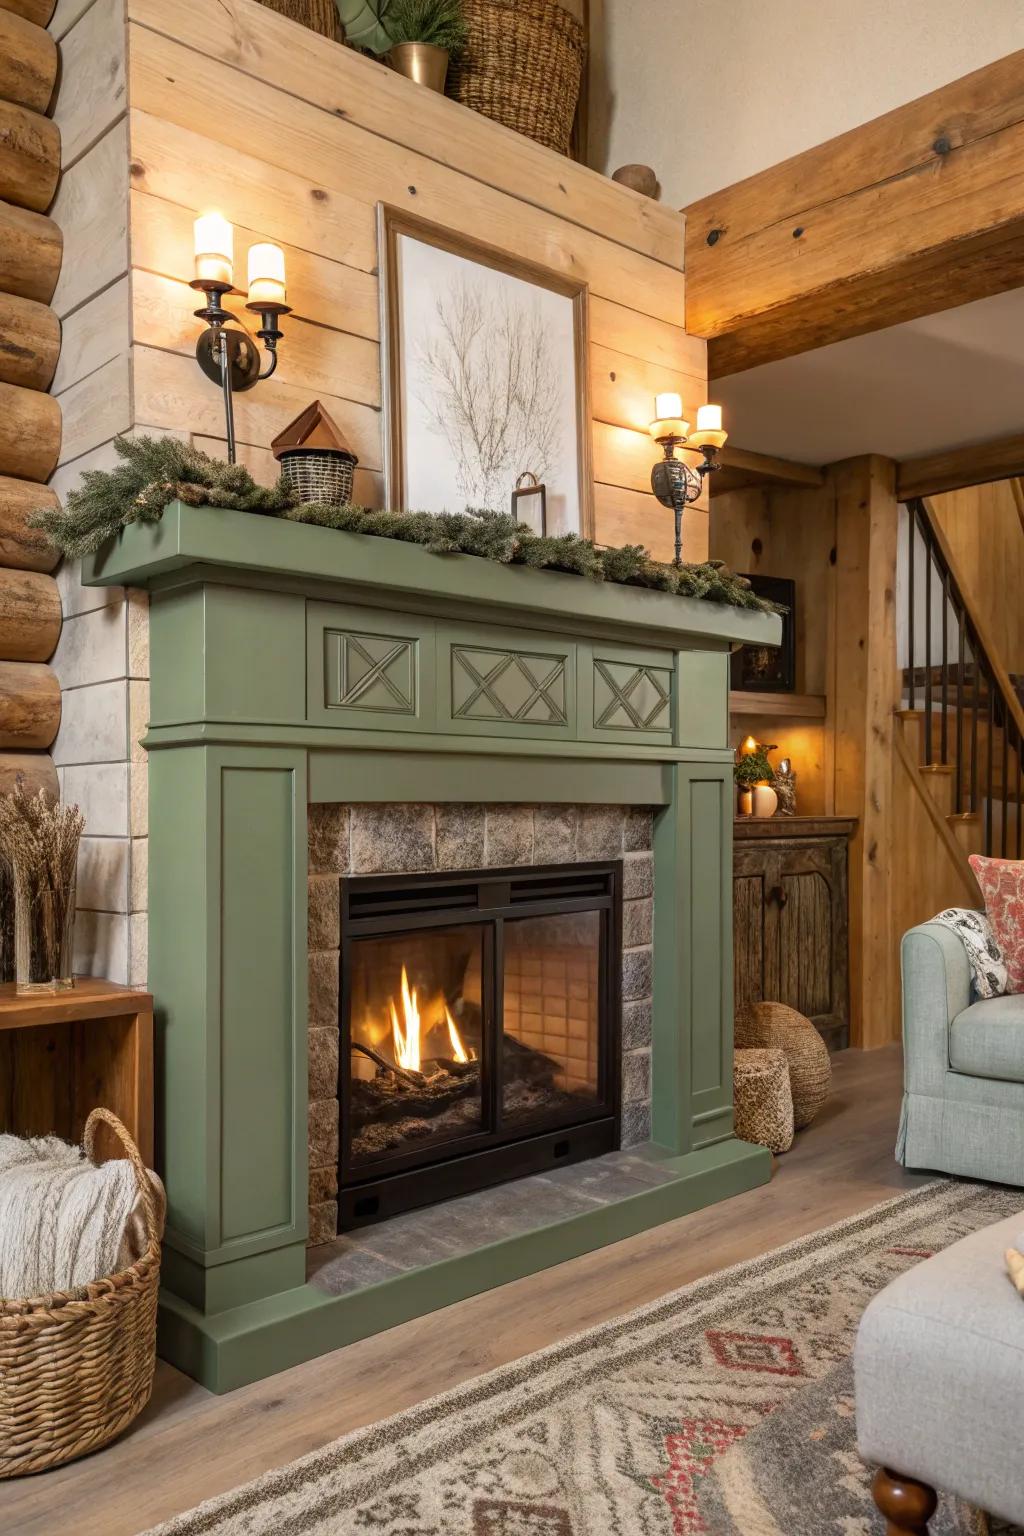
961,721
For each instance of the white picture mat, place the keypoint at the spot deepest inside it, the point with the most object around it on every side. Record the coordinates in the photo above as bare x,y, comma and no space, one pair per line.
487,386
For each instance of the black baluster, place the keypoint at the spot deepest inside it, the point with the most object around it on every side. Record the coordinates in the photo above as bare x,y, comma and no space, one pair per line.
911,616
959,791
928,754
944,739
1006,776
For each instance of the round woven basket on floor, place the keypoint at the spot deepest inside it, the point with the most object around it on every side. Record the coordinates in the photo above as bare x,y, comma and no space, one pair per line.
76,1367
318,15
522,66
762,1099
777,1027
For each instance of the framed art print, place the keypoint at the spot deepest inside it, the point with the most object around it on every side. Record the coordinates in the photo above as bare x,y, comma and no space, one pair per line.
485,377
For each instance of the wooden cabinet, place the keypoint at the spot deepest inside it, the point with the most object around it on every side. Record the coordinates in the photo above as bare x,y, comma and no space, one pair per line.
790,917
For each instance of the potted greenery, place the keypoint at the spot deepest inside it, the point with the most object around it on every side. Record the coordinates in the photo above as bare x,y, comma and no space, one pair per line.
418,37
752,769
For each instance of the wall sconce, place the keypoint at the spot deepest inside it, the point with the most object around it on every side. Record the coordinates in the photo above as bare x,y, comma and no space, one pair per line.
225,351
674,483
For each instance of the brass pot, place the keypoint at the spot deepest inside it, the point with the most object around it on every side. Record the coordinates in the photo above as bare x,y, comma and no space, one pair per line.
423,62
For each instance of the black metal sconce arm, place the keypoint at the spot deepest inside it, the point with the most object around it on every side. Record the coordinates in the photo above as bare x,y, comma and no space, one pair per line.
227,353
677,485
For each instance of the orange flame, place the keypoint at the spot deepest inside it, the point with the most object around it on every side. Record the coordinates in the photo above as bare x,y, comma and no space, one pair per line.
406,1033
459,1052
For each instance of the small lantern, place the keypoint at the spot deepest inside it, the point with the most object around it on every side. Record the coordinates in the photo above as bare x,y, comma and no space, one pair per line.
316,462
530,503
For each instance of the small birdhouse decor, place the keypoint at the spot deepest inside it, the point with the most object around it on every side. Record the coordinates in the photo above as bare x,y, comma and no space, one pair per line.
316,462
530,503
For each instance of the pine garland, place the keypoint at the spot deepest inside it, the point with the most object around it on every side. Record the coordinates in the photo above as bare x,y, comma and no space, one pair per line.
156,471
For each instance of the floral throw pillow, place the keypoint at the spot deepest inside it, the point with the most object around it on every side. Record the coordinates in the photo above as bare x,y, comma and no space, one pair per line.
973,929
1002,886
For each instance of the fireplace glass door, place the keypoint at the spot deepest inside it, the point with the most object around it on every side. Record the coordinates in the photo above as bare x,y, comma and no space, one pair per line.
480,1017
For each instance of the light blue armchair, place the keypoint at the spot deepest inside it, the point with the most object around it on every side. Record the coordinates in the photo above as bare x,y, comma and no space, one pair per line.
963,1099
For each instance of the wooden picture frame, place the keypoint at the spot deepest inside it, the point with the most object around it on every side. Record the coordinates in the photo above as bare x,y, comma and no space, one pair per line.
393,224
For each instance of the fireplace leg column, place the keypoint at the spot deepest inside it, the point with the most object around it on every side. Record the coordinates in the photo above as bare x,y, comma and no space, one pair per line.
228,968
693,960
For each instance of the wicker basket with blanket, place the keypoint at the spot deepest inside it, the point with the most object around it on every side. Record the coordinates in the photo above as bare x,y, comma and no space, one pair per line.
522,66
76,1366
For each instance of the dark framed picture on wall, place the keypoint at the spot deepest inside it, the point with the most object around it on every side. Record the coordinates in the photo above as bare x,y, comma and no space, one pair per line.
769,668
486,383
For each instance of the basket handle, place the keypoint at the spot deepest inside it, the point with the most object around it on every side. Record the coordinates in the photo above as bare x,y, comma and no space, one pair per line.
107,1117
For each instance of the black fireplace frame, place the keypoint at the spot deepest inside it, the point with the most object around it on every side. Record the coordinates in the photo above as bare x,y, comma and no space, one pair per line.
374,906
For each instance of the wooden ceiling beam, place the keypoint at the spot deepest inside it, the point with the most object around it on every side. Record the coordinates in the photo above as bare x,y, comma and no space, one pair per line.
740,468
918,211
977,464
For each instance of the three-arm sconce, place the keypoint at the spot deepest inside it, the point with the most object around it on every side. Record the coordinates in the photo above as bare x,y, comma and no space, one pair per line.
225,351
673,482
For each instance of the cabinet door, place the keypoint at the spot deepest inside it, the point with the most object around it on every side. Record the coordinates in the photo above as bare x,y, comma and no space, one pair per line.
811,905
757,871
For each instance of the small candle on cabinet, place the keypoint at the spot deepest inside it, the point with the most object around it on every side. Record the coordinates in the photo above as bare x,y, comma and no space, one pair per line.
266,275
214,249
749,747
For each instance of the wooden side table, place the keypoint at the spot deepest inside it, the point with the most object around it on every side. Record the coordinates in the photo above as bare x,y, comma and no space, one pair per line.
64,1053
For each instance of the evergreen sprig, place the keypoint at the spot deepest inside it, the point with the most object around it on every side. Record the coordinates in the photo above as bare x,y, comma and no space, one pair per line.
156,471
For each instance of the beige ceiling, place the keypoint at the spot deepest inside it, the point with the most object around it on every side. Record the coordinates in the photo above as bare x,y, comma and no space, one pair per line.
941,382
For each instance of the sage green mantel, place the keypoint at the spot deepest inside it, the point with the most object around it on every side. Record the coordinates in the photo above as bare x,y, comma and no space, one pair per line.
290,663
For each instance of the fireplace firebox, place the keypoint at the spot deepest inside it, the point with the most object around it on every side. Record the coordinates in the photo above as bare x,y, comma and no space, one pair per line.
480,1030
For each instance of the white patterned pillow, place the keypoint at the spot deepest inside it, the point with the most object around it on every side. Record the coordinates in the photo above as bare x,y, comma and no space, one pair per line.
973,929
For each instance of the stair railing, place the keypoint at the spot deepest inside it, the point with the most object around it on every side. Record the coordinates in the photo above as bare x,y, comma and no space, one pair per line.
988,696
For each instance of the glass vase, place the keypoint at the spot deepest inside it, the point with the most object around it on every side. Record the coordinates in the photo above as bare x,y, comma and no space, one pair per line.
44,920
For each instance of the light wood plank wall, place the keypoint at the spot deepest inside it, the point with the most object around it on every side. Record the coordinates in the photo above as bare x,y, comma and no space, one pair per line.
984,529
314,137
170,109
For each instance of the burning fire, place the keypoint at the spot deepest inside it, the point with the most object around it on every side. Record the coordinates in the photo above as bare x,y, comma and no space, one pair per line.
407,1030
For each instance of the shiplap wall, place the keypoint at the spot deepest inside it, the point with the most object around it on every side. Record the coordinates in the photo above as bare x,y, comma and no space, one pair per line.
224,103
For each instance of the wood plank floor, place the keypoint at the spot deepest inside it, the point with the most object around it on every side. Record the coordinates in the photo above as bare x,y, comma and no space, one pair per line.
189,1445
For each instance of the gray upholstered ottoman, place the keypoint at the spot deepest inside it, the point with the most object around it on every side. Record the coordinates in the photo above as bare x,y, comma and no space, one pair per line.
939,1369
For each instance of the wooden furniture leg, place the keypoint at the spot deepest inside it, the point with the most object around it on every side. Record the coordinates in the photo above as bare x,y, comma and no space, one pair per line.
906,1504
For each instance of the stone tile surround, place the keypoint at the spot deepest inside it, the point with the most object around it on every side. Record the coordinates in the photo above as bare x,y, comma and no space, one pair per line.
410,838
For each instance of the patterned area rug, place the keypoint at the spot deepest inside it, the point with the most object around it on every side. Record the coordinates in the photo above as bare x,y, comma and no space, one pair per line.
726,1407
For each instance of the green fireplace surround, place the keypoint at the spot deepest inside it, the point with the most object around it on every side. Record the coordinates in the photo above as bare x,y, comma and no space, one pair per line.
292,664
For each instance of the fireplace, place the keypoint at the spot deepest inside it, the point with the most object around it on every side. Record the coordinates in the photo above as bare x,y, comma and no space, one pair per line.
480,1030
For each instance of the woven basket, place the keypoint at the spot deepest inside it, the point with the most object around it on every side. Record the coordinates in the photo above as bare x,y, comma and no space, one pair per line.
522,66
319,474
76,1367
318,15
762,1099
777,1027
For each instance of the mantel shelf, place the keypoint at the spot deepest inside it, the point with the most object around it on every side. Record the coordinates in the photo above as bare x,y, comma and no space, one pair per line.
780,706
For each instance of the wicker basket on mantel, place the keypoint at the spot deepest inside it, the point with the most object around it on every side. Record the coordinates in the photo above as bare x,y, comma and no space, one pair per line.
522,66
318,15
77,1367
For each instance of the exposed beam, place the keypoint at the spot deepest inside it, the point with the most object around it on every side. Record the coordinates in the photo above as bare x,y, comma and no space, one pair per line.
915,212
740,468
976,464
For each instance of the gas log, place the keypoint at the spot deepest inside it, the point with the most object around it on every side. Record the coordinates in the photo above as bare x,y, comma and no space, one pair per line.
29,342
29,705
31,248
28,62
30,433
29,157
23,547
30,616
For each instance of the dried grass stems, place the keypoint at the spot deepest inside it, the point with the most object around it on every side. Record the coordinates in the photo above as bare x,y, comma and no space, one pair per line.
39,843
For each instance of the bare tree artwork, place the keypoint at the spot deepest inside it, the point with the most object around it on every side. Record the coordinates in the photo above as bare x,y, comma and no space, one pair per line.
490,388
